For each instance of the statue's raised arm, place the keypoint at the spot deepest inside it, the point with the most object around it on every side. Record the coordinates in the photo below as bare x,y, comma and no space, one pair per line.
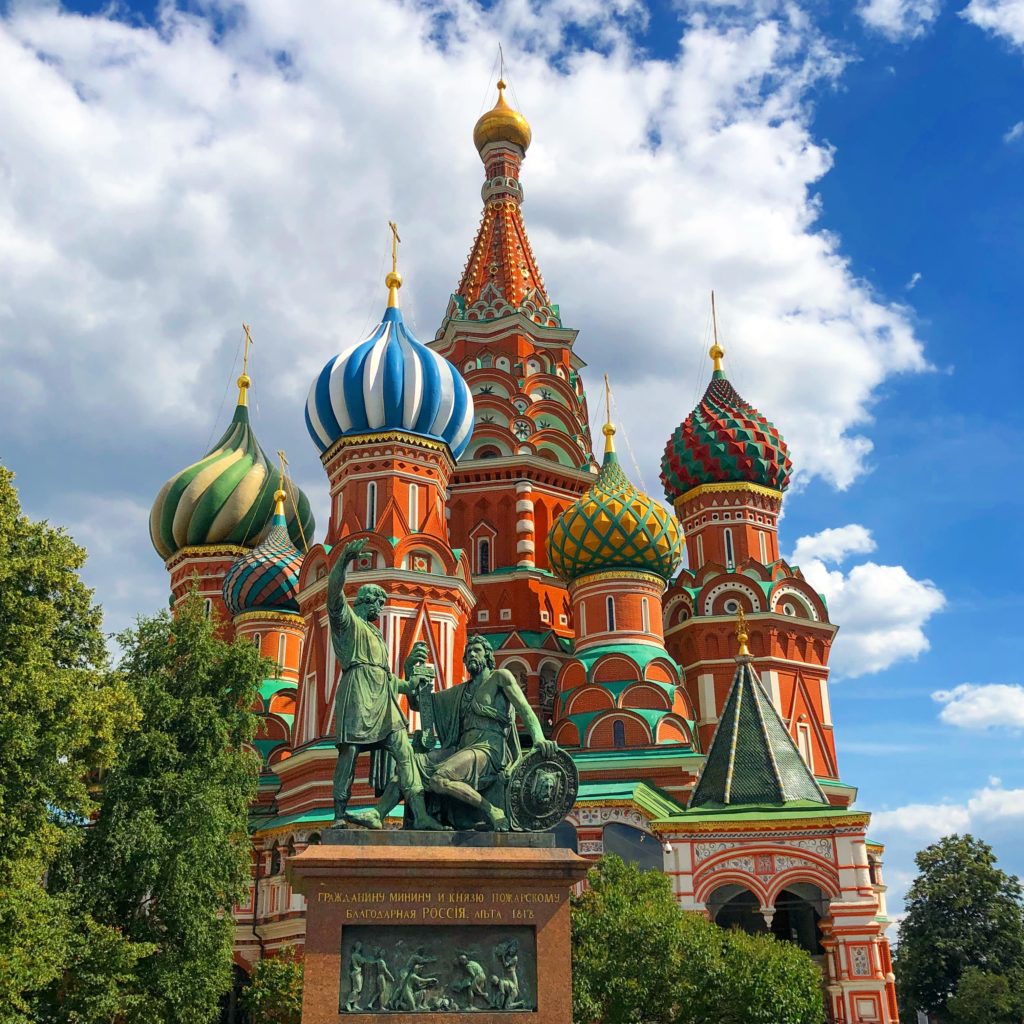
338,609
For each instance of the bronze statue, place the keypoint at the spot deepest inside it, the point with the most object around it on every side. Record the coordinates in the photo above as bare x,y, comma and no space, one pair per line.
479,758
367,713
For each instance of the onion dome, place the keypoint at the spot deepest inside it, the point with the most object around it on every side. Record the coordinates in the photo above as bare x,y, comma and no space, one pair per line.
502,124
390,381
724,440
227,497
266,578
614,526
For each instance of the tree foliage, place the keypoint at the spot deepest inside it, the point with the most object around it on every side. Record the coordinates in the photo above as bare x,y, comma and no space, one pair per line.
985,998
962,912
638,958
168,854
61,718
274,993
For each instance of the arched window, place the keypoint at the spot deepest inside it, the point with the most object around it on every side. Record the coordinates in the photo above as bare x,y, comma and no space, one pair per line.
618,733
371,505
282,650
645,615
414,508
582,620
483,556
610,611
339,506
700,552
486,360
803,736
257,640
730,558
208,606
762,540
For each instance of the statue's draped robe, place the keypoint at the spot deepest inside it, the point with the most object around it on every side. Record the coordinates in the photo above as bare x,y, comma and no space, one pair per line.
470,734
366,708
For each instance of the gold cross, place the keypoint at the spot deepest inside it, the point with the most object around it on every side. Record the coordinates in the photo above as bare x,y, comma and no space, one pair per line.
248,342
394,246
284,463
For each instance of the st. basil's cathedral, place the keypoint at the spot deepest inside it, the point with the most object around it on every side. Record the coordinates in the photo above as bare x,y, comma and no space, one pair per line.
705,750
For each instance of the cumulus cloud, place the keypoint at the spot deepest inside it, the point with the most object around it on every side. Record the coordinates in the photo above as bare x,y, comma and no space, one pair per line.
159,184
982,706
1003,18
899,19
987,810
881,609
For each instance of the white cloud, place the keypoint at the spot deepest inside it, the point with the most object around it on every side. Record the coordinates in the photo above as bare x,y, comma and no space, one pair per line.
834,544
1001,17
899,19
881,609
982,706
164,184
915,280
1015,133
987,809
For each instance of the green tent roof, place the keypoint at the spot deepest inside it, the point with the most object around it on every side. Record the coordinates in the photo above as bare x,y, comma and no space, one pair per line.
753,759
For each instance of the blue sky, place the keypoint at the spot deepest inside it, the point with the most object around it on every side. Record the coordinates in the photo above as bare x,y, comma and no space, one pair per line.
845,176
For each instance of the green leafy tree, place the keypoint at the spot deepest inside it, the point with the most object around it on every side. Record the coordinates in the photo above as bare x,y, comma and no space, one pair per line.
274,993
168,854
962,912
983,998
62,714
638,958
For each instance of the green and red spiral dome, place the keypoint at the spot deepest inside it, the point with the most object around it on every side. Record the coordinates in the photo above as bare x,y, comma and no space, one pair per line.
724,440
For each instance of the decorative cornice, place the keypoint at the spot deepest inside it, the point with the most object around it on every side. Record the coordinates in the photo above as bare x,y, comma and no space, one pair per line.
386,437
841,820
634,575
739,485
205,551
288,618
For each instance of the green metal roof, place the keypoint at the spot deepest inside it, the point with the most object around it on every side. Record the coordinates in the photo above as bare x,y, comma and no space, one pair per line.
272,687
753,759
792,809
648,798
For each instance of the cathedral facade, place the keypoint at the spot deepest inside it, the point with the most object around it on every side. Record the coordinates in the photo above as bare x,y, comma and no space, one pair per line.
705,750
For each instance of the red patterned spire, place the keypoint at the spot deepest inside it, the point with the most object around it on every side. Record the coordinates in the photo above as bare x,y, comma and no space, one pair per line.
501,275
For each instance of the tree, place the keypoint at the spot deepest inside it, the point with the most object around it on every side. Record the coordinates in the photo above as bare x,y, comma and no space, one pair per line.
983,998
962,912
169,854
638,958
274,993
62,716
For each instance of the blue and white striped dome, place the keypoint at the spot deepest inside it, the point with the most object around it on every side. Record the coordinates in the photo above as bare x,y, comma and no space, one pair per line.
390,381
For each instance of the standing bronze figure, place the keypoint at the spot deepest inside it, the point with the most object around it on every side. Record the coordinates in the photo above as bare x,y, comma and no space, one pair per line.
367,713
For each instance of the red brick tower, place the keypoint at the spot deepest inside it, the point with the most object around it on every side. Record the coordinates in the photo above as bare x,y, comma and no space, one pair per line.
530,457
725,469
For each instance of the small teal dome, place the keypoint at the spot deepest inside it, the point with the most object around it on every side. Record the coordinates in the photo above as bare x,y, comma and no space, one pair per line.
266,578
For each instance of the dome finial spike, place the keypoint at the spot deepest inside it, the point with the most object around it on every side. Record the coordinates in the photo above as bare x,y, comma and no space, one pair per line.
280,494
609,429
394,278
244,379
741,635
716,351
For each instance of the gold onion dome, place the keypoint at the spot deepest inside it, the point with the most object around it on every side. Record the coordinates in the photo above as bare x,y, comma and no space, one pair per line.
227,497
502,124
614,526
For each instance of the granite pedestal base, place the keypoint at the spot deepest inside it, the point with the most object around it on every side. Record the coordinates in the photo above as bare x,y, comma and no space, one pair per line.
437,927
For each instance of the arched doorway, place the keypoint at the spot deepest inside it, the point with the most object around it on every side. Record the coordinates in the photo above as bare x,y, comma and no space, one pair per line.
634,846
231,1011
732,906
799,909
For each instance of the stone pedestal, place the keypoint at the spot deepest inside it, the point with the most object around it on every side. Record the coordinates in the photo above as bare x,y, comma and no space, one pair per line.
442,927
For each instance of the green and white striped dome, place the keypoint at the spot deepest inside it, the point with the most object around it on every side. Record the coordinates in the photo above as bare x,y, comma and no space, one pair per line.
227,497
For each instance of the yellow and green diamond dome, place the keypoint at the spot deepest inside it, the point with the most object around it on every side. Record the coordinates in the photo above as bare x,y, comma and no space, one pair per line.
614,526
